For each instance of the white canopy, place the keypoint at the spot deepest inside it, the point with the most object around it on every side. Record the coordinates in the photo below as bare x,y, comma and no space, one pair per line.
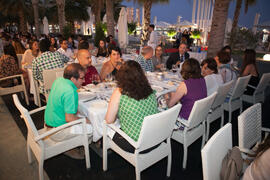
45,25
122,28
162,24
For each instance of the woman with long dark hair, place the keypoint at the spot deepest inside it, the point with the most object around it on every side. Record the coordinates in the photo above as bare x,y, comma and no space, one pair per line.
102,51
249,67
131,101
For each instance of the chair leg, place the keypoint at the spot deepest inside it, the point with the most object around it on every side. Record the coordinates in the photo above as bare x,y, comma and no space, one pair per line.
203,140
138,173
207,129
29,154
40,169
105,157
185,156
230,115
169,164
222,119
87,156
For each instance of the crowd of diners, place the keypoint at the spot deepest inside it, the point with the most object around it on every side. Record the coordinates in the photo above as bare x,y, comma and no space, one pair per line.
133,99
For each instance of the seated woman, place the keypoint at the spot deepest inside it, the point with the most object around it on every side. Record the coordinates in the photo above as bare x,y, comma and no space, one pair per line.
8,65
102,49
30,54
210,73
133,100
158,59
193,88
113,65
259,168
54,45
249,67
224,67
18,46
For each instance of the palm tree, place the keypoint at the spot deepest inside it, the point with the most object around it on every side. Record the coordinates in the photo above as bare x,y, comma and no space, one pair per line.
217,32
97,6
110,16
36,17
237,13
16,8
147,5
61,14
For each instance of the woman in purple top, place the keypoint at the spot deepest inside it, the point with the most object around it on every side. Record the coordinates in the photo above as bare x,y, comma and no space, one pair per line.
193,88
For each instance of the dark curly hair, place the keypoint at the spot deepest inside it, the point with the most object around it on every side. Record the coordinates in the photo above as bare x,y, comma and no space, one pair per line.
191,69
211,64
223,57
132,81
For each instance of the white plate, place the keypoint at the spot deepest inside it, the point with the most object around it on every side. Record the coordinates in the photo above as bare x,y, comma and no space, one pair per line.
99,104
157,88
84,95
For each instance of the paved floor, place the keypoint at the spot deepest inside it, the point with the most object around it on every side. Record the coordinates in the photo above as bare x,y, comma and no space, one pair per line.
13,161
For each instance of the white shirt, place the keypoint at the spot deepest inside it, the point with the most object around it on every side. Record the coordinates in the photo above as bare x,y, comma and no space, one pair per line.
67,53
213,81
153,41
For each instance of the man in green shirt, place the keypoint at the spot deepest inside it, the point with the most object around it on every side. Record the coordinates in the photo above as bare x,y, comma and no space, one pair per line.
62,105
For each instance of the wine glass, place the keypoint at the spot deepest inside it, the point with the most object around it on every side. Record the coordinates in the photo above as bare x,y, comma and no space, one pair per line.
108,78
174,68
162,67
95,79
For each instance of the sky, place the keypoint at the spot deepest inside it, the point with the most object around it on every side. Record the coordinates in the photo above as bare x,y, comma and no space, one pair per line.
169,12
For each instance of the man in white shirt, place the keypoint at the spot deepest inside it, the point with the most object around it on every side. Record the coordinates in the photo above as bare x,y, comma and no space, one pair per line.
65,50
153,41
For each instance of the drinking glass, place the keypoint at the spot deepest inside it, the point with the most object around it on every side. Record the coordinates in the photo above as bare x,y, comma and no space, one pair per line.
95,79
174,68
162,67
108,78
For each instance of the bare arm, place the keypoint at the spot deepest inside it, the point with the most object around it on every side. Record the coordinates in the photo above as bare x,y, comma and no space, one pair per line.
113,106
175,97
73,117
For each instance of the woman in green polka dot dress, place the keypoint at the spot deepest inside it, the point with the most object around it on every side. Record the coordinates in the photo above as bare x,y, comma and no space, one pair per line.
131,101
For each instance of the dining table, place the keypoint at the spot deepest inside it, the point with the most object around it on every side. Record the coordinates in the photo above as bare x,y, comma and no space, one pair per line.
94,99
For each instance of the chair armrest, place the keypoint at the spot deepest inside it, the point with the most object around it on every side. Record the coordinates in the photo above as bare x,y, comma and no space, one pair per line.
37,110
253,87
183,122
12,77
119,131
54,130
266,129
247,151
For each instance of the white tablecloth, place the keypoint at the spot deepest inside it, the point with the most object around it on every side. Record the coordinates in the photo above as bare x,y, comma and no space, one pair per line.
96,113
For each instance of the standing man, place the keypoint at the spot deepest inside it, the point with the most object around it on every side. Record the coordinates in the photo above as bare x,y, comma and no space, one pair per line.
84,58
144,59
178,57
47,60
153,40
62,106
65,50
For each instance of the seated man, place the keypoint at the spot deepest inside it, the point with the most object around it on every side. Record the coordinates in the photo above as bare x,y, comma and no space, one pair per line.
47,60
144,59
178,57
84,58
65,50
62,106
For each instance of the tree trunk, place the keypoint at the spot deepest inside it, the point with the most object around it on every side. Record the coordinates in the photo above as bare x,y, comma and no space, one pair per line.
61,14
217,33
36,17
23,26
97,7
110,16
147,17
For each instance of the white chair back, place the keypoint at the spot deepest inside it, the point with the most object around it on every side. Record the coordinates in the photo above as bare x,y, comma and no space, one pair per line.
32,130
200,110
240,86
49,75
249,127
20,56
264,82
222,93
158,127
214,151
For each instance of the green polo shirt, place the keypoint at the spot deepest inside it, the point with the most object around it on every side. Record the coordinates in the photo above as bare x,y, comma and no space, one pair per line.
63,99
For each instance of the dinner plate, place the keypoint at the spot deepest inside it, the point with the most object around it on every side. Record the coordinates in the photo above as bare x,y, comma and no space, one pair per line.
157,88
85,95
99,104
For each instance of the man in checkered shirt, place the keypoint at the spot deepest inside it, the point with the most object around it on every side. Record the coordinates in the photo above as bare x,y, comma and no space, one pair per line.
47,60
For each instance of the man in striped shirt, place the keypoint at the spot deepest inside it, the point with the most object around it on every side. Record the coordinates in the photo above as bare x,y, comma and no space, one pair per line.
144,59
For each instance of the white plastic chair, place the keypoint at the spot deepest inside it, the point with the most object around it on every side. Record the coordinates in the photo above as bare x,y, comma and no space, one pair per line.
216,110
155,129
250,128
42,146
258,95
214,151
235,99
195,125
17,88
49,75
